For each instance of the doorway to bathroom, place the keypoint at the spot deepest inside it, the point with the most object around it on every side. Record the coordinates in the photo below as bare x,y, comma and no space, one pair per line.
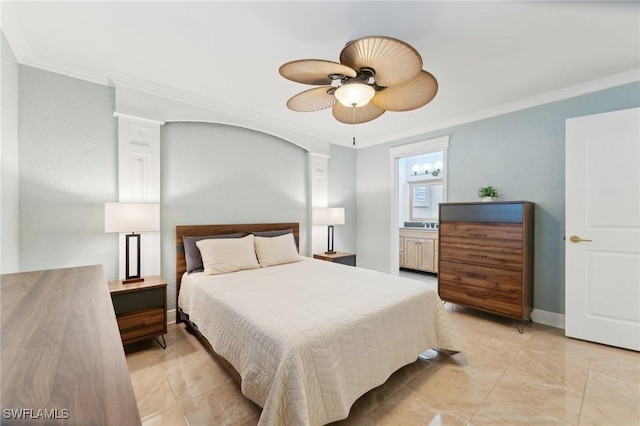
419,182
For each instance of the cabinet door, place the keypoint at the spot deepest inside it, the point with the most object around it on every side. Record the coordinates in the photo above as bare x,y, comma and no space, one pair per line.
426,255
411,253
436,256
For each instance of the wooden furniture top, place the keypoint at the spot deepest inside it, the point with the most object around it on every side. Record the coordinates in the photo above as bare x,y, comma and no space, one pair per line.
61,348
244,228
427,234
335,255
118,286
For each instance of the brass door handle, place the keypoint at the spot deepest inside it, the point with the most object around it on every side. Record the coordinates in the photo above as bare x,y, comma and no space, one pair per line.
576,239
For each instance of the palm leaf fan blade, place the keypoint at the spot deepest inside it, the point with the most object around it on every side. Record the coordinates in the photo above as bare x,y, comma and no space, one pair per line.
314,71
409,96
312,100
393,61
356,115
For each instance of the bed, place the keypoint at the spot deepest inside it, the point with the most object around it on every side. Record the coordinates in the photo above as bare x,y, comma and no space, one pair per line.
304,338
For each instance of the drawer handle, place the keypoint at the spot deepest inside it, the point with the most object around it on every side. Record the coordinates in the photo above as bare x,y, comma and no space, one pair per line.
477,235
474,275
477,255
135,327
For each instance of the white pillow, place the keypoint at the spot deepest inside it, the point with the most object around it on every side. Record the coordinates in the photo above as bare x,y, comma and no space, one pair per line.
276,250
221,256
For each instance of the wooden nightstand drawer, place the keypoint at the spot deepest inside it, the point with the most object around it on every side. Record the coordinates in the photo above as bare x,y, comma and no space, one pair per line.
137,300
141,308
141,323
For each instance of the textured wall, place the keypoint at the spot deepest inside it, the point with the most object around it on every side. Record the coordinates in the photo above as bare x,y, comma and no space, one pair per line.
215,173
68,170
210,174
521,153
373,221
9,189
342,193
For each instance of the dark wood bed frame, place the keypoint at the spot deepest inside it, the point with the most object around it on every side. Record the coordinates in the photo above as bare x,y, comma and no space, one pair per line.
181,268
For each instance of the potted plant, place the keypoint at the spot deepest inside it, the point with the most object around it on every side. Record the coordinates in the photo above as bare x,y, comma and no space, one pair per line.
488,193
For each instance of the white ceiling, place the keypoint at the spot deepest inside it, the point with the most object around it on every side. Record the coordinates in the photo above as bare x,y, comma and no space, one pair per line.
488,57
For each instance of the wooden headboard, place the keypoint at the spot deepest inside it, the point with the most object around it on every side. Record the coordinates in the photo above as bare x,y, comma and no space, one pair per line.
244,228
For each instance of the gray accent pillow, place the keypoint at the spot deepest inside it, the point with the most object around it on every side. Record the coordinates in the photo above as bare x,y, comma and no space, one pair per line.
275,233
192,254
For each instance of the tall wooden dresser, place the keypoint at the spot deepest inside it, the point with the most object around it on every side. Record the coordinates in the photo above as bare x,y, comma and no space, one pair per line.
486,256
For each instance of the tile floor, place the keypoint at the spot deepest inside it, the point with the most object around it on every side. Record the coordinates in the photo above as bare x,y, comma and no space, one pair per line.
501,377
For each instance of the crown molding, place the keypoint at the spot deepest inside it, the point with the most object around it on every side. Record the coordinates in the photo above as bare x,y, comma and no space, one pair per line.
123,80
133,117
559,95
114,78
546,98
65,68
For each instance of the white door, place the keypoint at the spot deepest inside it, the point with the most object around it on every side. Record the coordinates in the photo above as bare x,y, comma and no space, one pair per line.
602,225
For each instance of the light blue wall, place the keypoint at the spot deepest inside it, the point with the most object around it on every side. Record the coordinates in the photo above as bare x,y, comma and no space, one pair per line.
374,208
68,170
209,174
9,180
216,174
342,193
521,153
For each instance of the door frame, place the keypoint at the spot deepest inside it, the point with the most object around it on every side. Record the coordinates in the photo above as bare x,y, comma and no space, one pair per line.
410,150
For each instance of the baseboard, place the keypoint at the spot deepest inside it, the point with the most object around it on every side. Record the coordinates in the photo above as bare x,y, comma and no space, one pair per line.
171,316
548,318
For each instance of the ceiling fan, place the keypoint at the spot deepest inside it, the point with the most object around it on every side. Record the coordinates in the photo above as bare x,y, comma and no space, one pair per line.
375,74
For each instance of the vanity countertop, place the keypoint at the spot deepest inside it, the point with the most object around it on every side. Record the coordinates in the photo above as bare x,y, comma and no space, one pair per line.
419,229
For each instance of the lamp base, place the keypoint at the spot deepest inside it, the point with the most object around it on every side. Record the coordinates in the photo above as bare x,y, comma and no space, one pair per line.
132,280
330,252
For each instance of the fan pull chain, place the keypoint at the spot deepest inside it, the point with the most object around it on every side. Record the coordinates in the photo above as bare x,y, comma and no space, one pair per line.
353,109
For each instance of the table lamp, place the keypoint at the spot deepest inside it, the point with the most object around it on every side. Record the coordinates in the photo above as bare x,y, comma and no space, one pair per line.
328,216
131,218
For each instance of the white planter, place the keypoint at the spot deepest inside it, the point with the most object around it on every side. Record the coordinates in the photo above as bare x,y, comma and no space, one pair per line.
488,199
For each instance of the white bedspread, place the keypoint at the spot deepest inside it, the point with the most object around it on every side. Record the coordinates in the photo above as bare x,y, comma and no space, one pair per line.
309,338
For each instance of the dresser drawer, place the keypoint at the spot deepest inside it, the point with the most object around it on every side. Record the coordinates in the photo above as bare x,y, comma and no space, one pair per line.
485,234
481,276
141,323
499,302
136,300
491,256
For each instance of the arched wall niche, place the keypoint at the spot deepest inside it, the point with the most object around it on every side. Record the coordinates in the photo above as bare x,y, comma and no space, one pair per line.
141,114
161,108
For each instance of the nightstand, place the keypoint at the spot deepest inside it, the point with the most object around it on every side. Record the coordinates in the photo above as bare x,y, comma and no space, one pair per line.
141,309
338,257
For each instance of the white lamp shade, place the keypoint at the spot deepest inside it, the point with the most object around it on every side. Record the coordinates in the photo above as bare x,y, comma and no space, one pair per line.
131,217
328,216
355,94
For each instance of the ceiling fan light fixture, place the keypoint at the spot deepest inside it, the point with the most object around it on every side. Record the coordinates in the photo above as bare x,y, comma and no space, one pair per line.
355,94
